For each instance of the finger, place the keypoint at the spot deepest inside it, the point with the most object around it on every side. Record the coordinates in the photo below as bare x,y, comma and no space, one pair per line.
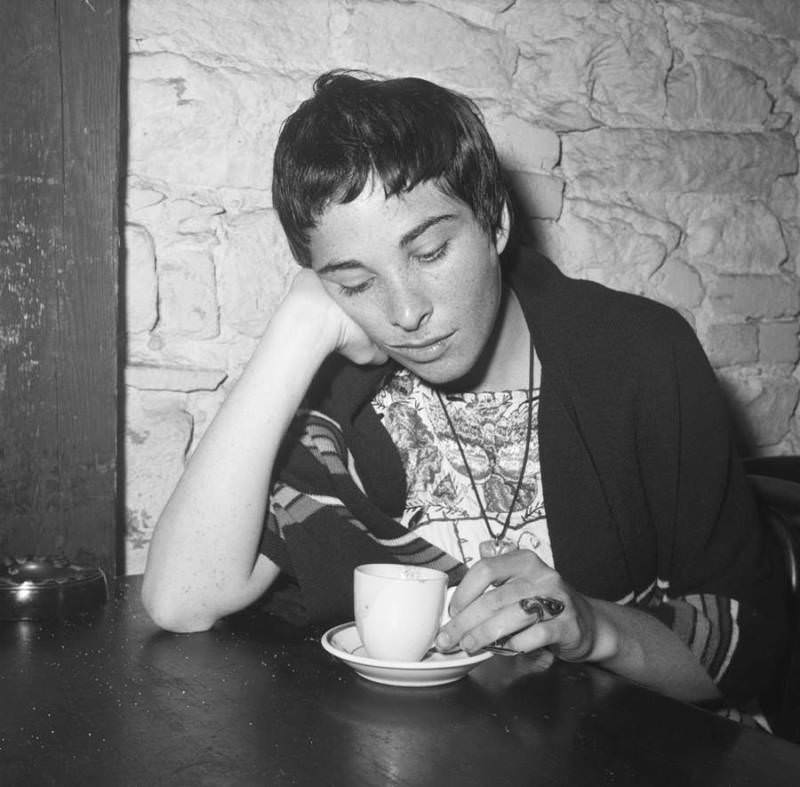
539,660
536,609
481,608
485,606
524,601
501,614
512,628
494,572
539,636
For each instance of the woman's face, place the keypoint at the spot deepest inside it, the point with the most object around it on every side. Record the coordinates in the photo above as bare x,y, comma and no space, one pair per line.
416,272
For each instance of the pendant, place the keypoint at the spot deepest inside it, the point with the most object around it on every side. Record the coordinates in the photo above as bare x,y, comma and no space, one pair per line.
495,547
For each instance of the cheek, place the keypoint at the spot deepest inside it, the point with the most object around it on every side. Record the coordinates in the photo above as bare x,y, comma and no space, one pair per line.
364,312
480,288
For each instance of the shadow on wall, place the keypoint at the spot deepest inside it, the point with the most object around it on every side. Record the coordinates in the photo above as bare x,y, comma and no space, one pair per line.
522,233
744,433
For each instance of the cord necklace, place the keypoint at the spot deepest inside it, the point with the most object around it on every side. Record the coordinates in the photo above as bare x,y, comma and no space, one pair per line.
498,543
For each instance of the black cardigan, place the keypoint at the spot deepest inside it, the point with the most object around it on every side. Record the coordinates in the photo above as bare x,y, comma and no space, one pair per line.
646,500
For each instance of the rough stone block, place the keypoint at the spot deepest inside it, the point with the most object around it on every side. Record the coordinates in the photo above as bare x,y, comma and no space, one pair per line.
172,220
791,234
201,126
141,285
157,436
521,145
187,293
583,62
483,13
551,92
536,195
176,350
197,220
729,344
145,377
755,296
710,93
678,284
778,342
784,199
254,268
251,33
138,198
605,162
386,37
628,245
735,236
788,103
766,403
770,58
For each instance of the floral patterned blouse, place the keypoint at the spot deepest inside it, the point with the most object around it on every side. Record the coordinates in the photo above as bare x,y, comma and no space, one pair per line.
441,504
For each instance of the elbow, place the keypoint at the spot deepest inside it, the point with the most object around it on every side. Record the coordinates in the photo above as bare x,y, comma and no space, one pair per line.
170,615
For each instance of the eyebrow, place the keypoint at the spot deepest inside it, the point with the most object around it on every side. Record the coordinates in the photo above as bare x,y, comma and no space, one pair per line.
414,233
405,240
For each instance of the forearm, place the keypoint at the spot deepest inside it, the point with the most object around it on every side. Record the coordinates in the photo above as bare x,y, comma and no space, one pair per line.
205,544
637,646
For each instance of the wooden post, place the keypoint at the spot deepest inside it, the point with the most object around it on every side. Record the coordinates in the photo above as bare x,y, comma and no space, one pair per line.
59,194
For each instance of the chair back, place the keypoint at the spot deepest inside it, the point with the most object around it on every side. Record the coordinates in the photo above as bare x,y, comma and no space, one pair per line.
776,483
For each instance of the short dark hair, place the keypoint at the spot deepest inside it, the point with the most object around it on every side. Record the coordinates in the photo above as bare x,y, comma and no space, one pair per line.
404,131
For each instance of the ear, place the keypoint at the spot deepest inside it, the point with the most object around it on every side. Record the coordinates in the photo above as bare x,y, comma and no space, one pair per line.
502,233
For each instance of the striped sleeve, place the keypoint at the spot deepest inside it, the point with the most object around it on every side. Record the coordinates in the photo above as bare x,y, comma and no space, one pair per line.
707,624
320,524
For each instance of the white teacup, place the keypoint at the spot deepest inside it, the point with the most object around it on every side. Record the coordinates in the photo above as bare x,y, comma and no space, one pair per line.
398,609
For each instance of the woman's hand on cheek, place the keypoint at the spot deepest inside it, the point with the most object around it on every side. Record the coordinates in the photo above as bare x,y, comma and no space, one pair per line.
346,337
486,609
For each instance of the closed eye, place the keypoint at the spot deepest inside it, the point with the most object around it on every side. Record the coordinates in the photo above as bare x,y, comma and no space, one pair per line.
354,289
348,290
434,255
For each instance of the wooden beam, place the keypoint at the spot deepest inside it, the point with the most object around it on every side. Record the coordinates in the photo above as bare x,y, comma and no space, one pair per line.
58,278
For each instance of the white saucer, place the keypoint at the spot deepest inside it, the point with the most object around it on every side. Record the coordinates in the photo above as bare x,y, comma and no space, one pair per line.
434,670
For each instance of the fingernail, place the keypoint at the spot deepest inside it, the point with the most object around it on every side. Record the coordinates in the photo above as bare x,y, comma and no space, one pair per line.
468,643
443,641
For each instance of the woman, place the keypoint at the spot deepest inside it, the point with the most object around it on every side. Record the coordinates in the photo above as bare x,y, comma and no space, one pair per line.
414,399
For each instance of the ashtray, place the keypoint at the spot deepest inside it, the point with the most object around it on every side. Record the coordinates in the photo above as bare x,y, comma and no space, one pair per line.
39,587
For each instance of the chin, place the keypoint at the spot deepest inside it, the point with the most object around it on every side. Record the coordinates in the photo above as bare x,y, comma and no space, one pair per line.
445,372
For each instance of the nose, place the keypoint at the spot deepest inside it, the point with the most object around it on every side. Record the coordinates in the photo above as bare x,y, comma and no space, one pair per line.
409,306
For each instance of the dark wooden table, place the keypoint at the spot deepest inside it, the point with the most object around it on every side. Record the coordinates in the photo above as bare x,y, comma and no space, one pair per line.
113,701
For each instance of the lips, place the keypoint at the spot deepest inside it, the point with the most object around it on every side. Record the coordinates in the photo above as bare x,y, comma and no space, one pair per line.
420,352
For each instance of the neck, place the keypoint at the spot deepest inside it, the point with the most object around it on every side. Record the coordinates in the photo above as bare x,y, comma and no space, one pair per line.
503,363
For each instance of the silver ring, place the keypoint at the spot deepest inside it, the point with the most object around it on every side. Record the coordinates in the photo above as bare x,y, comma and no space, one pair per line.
543,607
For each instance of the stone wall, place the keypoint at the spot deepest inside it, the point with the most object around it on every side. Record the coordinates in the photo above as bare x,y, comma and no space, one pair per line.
654,144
